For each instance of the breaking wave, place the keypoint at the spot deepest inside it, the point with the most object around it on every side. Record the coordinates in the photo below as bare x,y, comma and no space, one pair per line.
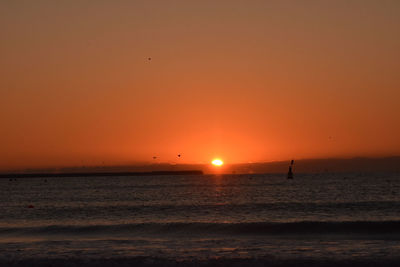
260,228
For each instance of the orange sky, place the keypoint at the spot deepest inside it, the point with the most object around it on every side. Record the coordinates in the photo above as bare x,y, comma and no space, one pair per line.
246,81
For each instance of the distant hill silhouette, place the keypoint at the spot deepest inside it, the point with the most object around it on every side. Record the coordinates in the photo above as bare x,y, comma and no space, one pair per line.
389,164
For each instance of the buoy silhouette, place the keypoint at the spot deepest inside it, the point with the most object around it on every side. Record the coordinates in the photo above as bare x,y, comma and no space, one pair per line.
31,207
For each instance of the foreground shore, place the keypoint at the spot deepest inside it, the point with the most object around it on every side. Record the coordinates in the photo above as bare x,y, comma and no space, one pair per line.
155,262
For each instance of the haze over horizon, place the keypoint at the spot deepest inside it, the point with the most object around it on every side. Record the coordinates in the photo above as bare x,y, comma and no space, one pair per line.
117,82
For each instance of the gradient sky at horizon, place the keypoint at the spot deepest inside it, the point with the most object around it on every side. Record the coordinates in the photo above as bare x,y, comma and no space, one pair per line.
245,81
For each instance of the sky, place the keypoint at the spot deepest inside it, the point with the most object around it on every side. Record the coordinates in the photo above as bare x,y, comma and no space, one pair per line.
119,82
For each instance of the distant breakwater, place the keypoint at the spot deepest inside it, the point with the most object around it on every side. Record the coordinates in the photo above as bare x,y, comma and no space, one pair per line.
98,174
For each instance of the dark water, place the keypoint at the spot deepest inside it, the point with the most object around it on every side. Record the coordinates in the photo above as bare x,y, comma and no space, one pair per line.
201,220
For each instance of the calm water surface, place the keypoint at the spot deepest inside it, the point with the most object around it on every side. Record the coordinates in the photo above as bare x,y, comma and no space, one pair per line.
339,216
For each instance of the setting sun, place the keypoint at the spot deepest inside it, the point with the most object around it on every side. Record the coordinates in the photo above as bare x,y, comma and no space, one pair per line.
217,162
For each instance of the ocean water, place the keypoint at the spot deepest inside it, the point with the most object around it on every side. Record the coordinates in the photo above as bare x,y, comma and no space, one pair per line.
207,220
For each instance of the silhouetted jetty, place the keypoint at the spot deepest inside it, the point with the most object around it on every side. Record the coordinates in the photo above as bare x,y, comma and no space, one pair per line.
99,174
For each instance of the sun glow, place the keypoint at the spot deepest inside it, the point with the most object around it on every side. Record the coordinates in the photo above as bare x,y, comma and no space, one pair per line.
217,162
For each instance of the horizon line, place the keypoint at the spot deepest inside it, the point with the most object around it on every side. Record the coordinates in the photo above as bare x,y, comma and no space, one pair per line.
148,164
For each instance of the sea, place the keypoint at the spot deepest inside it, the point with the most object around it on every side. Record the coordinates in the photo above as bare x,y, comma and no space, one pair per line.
324,219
